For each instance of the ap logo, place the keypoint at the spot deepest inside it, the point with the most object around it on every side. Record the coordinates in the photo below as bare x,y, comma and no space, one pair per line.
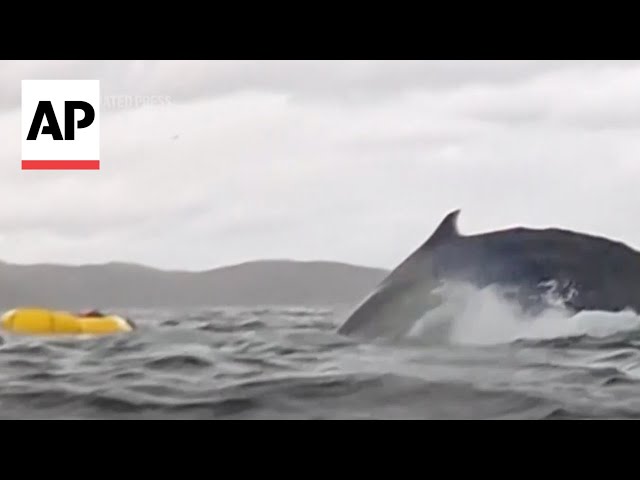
60,124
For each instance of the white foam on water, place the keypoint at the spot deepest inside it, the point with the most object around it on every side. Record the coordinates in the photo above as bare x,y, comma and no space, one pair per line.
485,317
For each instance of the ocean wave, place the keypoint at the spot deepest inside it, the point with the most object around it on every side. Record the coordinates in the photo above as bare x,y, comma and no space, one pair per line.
236,363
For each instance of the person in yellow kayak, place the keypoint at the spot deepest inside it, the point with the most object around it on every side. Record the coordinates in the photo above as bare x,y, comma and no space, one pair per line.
94,313
91,314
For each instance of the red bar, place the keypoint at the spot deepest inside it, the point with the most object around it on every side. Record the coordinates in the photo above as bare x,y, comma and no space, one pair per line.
60,164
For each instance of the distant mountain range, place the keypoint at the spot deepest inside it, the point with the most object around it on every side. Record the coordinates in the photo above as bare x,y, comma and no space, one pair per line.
269,282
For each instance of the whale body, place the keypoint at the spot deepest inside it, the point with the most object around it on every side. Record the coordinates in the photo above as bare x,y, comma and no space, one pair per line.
587,272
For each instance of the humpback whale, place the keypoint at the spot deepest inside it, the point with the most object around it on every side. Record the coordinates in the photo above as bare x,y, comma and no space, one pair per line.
587,272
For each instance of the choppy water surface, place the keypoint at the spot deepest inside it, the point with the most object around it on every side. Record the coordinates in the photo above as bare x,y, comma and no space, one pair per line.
288,363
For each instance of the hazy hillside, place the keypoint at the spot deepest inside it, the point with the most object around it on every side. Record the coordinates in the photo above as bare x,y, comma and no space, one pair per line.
126,285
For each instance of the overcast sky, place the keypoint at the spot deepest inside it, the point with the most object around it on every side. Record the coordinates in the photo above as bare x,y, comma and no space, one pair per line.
347,161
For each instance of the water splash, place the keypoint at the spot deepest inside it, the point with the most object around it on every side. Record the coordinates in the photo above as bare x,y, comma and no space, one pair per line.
487,316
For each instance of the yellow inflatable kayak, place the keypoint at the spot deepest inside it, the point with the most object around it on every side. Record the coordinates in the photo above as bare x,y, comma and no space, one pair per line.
43,322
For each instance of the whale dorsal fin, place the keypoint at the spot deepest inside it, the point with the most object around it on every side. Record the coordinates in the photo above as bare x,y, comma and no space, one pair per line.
446,231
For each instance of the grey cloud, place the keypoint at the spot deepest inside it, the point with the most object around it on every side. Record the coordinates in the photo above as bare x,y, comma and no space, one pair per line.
622,119
515,117
357,81
255,175
342,79
427,140
583,97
